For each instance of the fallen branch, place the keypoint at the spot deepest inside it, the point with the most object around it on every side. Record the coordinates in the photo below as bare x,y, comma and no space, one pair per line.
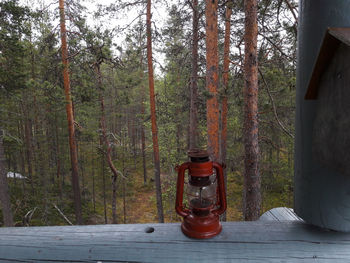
28,216
61,213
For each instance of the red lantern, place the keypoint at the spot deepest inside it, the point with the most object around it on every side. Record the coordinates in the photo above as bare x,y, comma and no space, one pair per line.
206,196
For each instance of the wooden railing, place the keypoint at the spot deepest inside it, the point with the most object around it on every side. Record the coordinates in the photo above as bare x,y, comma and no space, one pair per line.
260,241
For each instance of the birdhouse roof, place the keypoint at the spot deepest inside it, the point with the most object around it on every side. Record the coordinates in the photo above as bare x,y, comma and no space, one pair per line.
333,38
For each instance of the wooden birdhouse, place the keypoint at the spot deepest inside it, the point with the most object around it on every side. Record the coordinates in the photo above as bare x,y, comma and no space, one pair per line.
329,84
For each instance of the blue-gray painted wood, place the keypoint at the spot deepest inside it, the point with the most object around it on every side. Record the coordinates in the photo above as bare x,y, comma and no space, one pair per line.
280,214
331,140
238,242
321,195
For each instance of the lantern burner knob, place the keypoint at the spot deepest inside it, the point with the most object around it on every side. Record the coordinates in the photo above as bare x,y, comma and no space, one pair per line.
198,156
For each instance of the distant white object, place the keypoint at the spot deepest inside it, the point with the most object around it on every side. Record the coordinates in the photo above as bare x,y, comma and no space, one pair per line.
15,175
280,214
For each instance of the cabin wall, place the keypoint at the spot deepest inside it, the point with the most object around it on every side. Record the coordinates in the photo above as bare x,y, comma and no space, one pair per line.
321,194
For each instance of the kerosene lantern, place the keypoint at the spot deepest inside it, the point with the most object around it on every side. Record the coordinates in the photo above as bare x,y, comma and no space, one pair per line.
205,193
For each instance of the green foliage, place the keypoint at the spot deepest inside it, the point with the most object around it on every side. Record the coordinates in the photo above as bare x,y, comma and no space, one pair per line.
12,30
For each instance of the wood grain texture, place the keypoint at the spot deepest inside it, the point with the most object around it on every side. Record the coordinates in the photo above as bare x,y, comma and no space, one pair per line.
238,242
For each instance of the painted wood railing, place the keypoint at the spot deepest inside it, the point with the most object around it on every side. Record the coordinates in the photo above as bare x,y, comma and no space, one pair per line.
260,241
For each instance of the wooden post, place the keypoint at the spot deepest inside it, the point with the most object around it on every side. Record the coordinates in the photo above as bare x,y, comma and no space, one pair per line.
321,195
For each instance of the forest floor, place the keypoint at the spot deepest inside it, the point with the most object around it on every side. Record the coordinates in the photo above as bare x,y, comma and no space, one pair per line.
141,206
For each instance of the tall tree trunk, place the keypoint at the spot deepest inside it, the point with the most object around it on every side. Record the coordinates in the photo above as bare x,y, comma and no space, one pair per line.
22,158
70,118
133,136
143,143
252,184
114,200
82,171
124,173
193,136
28,145
124,201
94,164
104,186
106,143
153,117
42,169
58,159
143,137
212,79
4,191
225,76
143,93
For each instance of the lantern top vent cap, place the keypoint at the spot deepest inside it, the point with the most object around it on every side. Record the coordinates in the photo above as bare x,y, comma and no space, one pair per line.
198,155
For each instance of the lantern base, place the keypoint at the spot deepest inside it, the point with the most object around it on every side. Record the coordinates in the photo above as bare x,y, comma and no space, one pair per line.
201,227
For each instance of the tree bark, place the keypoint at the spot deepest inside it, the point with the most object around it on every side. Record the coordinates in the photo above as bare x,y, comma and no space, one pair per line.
124,174
70,118
143,145
104,186
22,158
29,147
94,164
212,79
58,159
153,117
225,76
193,136
114,200
252,181
124,201
4,190
143,137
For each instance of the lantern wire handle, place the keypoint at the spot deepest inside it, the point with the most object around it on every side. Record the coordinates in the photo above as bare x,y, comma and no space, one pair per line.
179,194
221,186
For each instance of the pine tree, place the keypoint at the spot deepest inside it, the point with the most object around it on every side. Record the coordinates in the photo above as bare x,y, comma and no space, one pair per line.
153,117
252,181
70,118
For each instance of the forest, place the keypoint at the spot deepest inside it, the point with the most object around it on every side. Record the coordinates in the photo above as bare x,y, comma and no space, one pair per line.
100,102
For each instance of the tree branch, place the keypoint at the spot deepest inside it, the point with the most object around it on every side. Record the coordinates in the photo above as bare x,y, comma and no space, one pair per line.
290,7
277,47
274,106
61,213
